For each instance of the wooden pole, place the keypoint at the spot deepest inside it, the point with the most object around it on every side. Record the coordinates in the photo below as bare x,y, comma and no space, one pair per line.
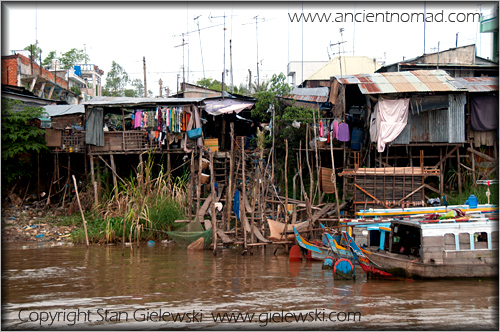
38,164
191,188
141,176
243,193
214,216
113,168
286,182
229,199
459,173
317,160
98,164
334,180
81,211
94,184
198,187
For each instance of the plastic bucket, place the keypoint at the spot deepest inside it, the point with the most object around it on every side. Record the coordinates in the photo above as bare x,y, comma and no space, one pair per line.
472,202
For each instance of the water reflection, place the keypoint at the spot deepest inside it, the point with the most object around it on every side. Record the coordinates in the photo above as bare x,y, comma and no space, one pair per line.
169,278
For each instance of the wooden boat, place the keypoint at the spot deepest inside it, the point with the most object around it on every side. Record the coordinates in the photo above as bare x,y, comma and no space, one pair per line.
448,249
277,228
373,213
344,270
313,251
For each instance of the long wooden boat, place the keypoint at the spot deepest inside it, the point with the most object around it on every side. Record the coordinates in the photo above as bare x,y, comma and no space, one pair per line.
449,249
277,228
313,251
372,213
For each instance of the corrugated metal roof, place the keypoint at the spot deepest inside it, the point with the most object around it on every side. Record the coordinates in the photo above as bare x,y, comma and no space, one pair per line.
477,84
408,81
56,110
319,95
111,101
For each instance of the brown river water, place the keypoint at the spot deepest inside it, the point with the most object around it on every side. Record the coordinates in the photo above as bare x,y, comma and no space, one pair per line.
165,287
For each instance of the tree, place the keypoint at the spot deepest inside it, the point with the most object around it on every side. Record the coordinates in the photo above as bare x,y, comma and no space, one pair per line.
274,89
48,59
116,81
139,87
20,138
72,57
36,50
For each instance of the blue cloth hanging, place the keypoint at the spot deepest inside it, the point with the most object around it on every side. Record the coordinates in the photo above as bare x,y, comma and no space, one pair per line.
236,204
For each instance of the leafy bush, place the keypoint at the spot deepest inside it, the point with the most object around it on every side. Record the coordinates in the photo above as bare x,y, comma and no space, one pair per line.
20,138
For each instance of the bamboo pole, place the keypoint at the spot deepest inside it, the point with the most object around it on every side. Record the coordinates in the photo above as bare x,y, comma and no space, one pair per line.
81,211
317,159
214,216
459,173
98,164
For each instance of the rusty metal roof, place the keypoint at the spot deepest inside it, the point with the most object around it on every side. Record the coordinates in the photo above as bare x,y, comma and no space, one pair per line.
315,95
118,101
477,84
406,81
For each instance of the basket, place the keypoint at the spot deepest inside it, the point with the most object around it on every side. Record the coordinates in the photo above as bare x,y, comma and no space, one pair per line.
204,178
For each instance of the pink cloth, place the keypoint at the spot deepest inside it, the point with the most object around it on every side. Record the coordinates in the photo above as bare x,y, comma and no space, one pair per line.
137,119
321,130
343,134
335,129
392,119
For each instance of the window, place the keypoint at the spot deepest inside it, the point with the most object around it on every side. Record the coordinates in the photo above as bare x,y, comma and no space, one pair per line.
480,240
464,241
449,242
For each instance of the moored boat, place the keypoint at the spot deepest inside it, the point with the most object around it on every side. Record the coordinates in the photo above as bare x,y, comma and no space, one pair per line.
446,249
374,213
312,251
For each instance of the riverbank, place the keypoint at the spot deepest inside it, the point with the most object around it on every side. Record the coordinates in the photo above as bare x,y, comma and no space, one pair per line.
31,223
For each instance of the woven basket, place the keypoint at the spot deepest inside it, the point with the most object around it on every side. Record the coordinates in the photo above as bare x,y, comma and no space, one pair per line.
204,178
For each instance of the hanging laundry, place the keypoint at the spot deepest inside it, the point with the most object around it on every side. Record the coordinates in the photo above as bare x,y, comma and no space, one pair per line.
393,115
343,134
137,119
321,130
329,127
335,129
236,204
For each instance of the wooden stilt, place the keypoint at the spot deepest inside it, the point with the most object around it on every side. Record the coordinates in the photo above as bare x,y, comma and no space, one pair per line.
214,215
243,193
334,180
94,184
113,167
98,164
191,188
459,173
38,180
473,167
230,192
198,187
141,174
286,182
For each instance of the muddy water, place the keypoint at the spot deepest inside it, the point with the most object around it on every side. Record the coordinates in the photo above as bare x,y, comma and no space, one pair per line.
156,287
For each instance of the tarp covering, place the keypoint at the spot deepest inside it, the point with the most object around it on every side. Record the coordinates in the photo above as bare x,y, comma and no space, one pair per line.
484,113
226,105
57,110
95,134
390,118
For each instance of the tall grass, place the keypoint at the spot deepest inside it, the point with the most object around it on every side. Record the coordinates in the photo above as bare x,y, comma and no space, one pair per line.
146,206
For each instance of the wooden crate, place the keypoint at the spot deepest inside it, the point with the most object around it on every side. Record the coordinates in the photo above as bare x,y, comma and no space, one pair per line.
212,144
73,141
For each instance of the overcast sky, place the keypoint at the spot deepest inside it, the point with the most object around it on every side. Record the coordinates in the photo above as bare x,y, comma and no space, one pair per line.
125,32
